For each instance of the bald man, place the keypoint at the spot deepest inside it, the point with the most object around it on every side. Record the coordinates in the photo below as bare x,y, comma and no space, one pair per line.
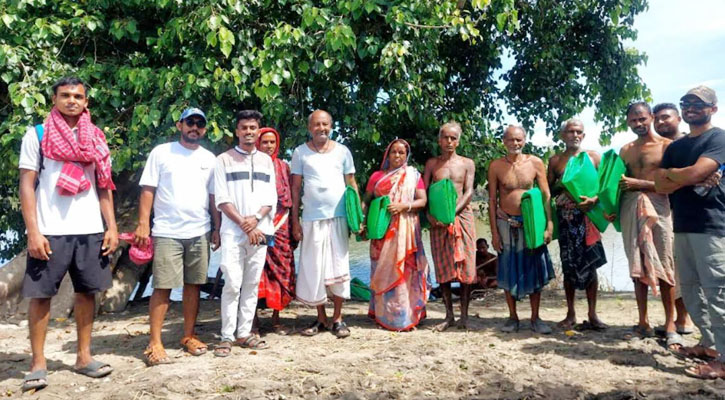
521,271
325,167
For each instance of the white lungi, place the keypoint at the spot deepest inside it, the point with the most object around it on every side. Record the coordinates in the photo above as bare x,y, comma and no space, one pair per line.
242,265
324,265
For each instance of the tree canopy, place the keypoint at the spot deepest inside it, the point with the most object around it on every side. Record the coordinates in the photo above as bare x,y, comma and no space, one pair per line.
383,68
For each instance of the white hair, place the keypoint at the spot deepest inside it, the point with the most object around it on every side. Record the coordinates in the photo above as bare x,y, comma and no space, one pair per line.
514,126
453,125
570,121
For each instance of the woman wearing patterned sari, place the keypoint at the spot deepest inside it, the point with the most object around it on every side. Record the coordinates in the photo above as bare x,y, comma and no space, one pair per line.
399,268
277,285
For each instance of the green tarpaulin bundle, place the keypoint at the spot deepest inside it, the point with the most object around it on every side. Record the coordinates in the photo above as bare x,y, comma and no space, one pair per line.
442,198
581,179
611,170
378,217
359,291
532,210
353,209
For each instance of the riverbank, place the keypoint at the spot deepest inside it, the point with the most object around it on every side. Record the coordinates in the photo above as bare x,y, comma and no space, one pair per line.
481,363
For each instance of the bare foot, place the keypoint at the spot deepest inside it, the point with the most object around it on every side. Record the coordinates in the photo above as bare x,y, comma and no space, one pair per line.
444,325
567,323
462,324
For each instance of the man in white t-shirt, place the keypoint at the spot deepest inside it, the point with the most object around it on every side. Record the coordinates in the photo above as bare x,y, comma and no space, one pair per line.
68,158
246,190
178,181
326,167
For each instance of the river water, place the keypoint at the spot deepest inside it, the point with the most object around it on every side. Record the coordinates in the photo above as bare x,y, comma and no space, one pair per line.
612,276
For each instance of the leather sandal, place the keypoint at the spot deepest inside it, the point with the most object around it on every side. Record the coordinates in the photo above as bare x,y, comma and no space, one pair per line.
314,329
193,345
155,355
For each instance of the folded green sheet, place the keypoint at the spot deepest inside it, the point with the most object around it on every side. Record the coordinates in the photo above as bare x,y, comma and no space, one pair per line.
378,217
442,198
353,209
611,170
532,210
581,179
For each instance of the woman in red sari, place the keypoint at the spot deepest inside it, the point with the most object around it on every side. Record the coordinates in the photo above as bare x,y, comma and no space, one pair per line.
399,269
277,285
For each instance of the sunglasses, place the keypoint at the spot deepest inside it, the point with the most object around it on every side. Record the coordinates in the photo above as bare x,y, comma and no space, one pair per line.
698,106
190,122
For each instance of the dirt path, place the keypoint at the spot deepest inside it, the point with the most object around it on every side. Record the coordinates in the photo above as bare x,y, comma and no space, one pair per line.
373,363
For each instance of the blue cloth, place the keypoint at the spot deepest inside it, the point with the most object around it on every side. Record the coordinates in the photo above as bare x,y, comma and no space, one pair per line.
521,271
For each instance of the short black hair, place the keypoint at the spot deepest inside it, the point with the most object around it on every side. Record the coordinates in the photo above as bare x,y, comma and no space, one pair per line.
665,106
249,114
636,104
69,81
481,240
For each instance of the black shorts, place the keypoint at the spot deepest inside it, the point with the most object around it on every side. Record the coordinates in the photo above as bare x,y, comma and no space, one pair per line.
79,255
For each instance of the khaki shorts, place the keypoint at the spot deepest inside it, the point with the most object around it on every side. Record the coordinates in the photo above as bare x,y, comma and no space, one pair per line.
180,261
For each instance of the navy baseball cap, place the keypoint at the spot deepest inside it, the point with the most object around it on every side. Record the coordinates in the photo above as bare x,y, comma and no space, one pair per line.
192,111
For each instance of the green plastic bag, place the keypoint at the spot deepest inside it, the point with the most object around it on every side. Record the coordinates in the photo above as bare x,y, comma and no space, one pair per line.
353,209
442,198
581,179
611,170
532,210
378,217
359,291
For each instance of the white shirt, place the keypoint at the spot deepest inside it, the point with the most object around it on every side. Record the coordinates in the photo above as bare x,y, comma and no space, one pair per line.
233,185
183,179
324,180
58,214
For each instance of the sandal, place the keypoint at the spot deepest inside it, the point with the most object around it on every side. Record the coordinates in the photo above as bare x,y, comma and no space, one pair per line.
155,355
223,349
94,369
314,329
193,345
253,342
711,370
280,330
340,330
673,340
35,380
694,352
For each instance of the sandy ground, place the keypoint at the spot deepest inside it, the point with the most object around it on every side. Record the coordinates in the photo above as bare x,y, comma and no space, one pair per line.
373,363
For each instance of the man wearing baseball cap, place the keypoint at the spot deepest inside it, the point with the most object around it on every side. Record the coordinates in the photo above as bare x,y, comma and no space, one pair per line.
178,180
699,226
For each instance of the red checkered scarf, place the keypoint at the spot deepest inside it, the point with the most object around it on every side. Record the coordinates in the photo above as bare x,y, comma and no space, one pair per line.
60,144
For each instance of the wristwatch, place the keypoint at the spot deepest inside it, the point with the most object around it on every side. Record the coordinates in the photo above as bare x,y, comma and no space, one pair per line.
258,216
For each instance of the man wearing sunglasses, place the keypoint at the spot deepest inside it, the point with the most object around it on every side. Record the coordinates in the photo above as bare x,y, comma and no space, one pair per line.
178,181
699,226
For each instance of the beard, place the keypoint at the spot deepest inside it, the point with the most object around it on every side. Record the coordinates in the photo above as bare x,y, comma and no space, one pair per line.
192,140
697,120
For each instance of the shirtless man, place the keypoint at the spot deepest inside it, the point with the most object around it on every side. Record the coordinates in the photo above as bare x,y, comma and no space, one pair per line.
651,260
579,262
667,124
460,170
520,271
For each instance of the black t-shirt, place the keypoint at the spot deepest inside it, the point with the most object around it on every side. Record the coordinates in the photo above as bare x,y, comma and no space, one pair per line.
691,212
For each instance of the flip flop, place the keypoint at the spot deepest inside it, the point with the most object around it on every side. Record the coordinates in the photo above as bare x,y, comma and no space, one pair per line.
93,369
640,331
687,353
253,342
340,330
35,380
683,330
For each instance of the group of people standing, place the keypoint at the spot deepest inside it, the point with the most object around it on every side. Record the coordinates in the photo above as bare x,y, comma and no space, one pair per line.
257,209
671,215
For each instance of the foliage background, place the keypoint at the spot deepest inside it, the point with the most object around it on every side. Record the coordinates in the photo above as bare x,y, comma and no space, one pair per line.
383,68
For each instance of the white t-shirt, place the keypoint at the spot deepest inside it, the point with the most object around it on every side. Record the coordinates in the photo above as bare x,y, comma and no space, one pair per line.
58,214
183,179
323,175
248,182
